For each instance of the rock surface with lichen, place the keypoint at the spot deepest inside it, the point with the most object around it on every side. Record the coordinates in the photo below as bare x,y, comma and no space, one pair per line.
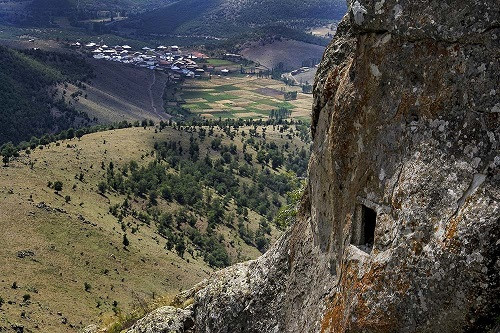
405,123
166,319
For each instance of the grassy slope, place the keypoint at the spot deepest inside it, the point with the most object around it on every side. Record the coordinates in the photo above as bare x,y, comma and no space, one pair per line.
119,92
69,252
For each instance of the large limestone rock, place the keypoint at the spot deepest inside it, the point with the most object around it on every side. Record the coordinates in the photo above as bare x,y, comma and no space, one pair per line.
406,138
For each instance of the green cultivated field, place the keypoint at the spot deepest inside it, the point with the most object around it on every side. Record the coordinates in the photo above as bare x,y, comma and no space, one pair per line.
220,62
242,97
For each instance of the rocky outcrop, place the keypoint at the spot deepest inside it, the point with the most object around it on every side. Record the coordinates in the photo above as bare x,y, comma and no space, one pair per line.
166,319
399,228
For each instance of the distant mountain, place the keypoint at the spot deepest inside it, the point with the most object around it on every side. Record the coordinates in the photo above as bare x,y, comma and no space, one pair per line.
44,12
224,18
215,18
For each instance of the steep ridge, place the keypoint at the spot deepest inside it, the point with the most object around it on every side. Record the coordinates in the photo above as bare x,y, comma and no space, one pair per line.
398,230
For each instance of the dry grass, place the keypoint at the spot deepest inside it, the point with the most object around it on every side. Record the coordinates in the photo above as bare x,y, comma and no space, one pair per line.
69,251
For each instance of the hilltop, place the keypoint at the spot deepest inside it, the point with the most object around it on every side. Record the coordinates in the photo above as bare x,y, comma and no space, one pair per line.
122,219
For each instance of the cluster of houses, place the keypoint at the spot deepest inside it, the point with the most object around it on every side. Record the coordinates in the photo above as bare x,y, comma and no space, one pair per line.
162,58
301,70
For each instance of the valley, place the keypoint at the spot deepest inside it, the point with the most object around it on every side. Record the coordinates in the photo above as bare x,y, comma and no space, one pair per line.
242,166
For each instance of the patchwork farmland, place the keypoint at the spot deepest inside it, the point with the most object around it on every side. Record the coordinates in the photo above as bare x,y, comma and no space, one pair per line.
242,97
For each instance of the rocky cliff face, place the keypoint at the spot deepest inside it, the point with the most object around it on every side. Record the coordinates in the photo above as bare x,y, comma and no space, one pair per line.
399,227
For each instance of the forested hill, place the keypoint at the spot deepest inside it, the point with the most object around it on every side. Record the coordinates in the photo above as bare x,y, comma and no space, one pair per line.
28,103
44,12
232,17
242,19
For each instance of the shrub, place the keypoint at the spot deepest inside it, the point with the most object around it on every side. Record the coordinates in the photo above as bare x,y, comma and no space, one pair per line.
126,242
180,247
102,187
58,185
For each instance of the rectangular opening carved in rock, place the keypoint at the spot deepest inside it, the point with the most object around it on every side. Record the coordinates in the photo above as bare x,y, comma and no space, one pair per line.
363,228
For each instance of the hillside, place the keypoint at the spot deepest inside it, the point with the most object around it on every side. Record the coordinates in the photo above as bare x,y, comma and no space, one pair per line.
118,92
45,12
46,92
225,18
201,17
28,106
187,200
292,54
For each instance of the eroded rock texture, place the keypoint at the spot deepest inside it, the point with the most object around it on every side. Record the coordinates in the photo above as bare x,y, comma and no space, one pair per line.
406,136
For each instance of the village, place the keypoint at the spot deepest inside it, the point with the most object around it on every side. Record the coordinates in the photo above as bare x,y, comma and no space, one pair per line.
188,65
226,86
168,59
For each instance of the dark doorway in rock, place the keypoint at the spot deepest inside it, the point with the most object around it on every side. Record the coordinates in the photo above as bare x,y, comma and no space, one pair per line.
363,228
369,217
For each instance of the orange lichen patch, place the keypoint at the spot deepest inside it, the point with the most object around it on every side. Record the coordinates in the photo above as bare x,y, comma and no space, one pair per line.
451,228
331,83
337,317
429,104
430,48
379,321
450,241
407,101
417,247
334,317
402,286
397,202
336,78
